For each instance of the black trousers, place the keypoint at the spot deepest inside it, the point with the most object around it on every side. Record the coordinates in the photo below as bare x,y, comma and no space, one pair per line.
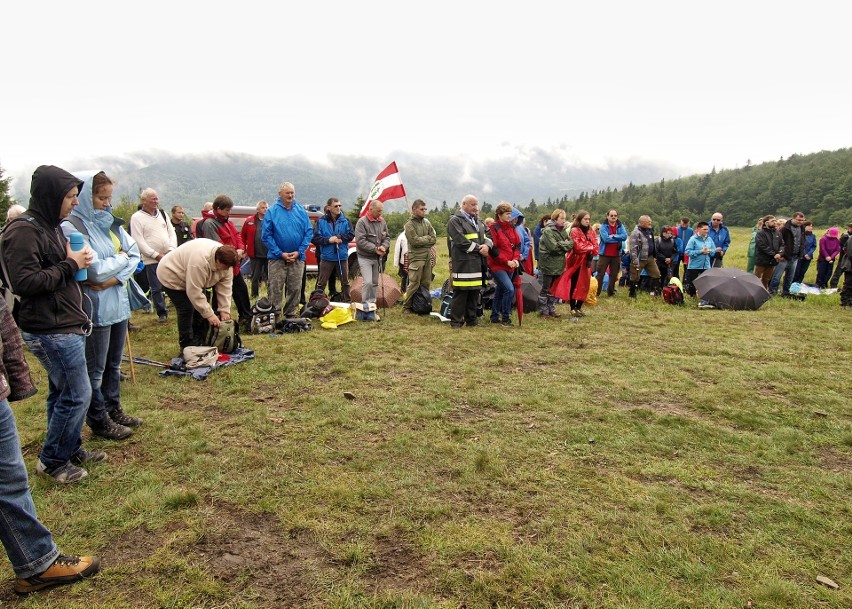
191,325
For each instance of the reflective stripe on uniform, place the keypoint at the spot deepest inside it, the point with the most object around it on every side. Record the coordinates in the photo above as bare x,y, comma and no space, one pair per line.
477,275
471,236
467,284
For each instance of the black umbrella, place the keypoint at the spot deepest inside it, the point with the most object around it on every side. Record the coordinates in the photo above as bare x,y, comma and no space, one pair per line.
530,288
731,288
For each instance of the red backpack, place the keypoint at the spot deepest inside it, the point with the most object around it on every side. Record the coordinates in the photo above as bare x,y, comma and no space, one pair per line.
672,294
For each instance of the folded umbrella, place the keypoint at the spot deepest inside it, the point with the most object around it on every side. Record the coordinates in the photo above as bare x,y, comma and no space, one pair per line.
731,288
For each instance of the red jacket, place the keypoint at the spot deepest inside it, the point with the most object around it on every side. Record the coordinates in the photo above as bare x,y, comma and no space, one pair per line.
225,230
508,243
585,247
250,228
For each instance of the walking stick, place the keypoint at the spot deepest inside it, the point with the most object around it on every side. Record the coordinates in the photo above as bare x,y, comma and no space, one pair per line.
130,355
381,272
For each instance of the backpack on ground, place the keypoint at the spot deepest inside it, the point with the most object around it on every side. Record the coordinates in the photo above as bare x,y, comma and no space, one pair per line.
672,294
446,304
421,301
317,305
263,317
294,325
225,338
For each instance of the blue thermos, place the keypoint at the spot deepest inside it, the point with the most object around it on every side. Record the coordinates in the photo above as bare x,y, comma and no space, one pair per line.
76,240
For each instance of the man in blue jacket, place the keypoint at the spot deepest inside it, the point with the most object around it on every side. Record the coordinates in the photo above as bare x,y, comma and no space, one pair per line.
721,237
612,238
286,233
683,234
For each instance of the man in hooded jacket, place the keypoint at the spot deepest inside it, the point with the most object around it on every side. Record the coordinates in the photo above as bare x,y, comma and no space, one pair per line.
40,266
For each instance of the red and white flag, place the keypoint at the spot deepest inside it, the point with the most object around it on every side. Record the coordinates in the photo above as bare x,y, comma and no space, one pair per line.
388,185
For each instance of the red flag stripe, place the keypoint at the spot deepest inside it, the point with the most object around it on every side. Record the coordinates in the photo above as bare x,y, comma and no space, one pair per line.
387,171
393,192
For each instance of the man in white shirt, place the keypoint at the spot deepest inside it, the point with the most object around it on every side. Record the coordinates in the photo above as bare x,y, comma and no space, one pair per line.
155,235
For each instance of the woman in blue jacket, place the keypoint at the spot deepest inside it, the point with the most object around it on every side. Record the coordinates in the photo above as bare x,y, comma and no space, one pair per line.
116,259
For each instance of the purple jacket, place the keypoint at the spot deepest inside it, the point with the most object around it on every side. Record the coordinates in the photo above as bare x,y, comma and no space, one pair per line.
829,247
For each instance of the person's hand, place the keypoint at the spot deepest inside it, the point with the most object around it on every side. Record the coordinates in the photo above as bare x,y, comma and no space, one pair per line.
214,321
719,251
83,257
668,260
98,287
483,250
381,250
241,254
224,315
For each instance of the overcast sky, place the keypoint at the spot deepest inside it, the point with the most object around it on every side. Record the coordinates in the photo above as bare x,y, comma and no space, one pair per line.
695,85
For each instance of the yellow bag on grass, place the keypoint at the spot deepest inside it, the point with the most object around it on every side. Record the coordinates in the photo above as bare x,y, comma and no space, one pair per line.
592,296
336,317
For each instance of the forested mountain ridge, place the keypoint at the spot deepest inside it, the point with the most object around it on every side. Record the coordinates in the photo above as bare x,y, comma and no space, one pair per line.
819,184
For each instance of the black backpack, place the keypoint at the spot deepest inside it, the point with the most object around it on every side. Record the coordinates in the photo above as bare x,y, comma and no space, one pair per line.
263,317
421,301
317,305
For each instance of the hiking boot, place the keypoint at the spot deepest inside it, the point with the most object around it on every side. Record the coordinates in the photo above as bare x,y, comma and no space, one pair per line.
64,474
507,322
122,376
163,318
88,456
110,430
122,418
64,570
495,320
131,327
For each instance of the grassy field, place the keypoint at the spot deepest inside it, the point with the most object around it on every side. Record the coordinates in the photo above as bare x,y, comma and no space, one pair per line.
647,456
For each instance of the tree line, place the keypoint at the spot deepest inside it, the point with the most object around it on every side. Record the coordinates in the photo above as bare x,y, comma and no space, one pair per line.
818,184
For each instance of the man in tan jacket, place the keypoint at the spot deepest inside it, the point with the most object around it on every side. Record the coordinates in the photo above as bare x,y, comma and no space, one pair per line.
185,273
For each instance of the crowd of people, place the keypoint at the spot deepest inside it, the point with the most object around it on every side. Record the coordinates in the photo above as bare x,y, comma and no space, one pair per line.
71,267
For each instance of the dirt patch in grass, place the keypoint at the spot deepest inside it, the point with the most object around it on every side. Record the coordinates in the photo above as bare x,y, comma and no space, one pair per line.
254,554
397,567
660,408
834,461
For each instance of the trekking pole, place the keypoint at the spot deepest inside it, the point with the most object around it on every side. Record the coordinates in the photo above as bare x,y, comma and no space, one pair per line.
340,272
382,272
130,355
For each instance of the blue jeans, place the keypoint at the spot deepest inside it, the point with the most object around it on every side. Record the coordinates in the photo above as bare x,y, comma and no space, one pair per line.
103,360
503,295
69,393
801,270
29,545
786,268
156,289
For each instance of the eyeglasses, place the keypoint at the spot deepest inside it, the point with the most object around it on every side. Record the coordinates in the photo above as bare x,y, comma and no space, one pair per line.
337,206
717,219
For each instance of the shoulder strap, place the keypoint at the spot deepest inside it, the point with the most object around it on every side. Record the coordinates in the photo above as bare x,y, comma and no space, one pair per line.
78,224
5,278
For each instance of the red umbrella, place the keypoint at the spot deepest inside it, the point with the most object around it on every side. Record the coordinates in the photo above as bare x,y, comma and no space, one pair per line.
519,294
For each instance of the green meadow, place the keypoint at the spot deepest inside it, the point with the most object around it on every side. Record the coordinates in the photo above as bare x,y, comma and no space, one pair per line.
645,456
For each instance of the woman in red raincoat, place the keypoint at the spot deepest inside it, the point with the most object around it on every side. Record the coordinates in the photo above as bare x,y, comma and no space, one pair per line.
578,262
507,243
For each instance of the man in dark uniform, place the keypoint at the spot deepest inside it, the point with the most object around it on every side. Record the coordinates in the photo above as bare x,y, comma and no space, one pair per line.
470,243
